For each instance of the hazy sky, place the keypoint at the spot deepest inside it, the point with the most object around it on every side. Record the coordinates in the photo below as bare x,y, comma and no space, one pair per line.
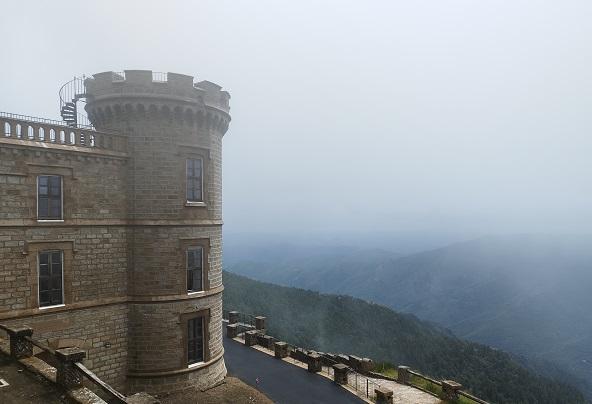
371,115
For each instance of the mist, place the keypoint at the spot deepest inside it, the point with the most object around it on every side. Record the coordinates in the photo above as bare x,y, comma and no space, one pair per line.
424,116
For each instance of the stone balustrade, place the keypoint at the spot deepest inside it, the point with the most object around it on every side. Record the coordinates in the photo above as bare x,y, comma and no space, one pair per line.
46,132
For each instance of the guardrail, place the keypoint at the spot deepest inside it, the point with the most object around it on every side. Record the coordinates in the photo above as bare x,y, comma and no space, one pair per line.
70,369
22,127
358,371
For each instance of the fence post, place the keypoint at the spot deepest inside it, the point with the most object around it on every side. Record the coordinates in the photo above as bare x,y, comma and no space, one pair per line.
403,375
20,347
231,330
314,363
383,395
260,324
233,317
251,338
340,373
280,349
68,375
450,390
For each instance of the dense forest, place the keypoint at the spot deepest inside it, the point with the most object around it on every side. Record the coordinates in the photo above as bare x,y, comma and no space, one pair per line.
343,324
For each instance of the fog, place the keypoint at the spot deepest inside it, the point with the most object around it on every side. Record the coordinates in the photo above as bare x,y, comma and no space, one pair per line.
419,116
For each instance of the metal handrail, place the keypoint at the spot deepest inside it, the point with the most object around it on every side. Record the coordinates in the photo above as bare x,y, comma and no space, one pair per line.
35,119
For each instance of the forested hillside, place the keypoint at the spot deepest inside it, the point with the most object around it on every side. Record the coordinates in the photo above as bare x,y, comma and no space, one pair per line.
344,324
529,295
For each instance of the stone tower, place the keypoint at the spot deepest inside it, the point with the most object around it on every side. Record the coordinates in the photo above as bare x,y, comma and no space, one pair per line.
174,129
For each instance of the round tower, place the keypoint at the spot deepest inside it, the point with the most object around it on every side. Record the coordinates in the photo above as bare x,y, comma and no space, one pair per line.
174,128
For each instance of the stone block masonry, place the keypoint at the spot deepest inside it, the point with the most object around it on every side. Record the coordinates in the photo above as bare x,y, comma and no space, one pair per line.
124,232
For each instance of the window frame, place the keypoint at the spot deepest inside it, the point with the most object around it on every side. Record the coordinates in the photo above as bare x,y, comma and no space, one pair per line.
196,362
63,295
184,321
184,245
201,178
202,267
50,219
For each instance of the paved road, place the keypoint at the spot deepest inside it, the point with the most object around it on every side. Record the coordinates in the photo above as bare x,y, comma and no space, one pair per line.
281,382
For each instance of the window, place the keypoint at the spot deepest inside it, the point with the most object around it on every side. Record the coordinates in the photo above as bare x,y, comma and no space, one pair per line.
50,278
194,269
195,340
194,180
49,197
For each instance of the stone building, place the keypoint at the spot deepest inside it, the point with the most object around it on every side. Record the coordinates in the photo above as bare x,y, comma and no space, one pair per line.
110,236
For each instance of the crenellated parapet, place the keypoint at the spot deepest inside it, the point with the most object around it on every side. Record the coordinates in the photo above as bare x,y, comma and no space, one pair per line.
174,97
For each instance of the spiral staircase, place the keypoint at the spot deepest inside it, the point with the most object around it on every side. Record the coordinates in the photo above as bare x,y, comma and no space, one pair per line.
71,94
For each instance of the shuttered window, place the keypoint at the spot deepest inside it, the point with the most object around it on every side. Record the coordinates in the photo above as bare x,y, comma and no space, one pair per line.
49,197
194,269
195,340
50,278
194,180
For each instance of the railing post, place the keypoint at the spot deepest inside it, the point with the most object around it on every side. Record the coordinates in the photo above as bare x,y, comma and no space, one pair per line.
314,363
233,317
383,395
450,390
231,330
68,375
251,338
20,347
403,375
340,372
260,324
280,349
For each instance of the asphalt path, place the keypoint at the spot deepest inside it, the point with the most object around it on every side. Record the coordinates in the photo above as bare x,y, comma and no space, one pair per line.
282,382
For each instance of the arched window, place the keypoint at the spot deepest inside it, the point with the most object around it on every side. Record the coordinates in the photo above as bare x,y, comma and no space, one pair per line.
30,132
52,135
62,136
41,134
7,129
18,130
72,139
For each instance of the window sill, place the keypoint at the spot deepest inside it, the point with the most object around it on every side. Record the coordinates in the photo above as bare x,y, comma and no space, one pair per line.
50,220
195,204
196,293
51,307
193,365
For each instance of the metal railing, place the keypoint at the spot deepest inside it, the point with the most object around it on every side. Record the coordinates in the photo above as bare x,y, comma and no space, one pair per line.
22,127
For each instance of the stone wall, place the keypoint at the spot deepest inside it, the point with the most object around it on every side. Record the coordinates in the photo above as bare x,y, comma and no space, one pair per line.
126,225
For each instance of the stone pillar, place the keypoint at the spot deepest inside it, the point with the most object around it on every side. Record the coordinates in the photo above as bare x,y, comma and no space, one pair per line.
68,376
266,341
366,365
233,317
340,372
314,363
383,395
280,349
251,338
450,390
231,330
260,323
355,362
403,375
19,346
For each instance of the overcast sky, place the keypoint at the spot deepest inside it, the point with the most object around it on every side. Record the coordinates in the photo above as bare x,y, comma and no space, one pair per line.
415,115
